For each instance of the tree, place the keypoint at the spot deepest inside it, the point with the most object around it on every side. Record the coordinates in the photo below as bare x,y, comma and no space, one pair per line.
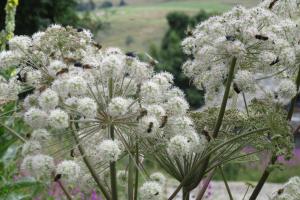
171,56
33,15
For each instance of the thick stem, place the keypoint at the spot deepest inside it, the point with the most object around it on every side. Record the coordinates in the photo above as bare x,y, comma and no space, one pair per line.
68,195
185,194
90,167
130,178
136,184
262,180
266,172
226,184
205,185
225,97
112,167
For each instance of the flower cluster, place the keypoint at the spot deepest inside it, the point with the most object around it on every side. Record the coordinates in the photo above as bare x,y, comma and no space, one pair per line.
261,42
108,99
290,190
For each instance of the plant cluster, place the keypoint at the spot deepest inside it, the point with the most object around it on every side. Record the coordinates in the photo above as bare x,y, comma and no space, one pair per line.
94,114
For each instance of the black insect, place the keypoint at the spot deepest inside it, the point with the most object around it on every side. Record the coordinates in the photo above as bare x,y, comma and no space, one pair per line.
21,78
77,64
230,38
72,153
275,95
79,29
149,129
164,120
157,193
272,4
57,177
99,46
28,135
275,61
25,93
236,88
131,54
261,37
62,71
280,191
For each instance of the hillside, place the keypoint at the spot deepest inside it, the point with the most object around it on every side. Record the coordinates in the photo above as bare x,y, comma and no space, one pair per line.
142,22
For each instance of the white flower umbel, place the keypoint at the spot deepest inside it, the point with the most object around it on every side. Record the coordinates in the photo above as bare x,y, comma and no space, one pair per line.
151,190
31,147
69,170
48,100
108,150
244,81
179,146
118,106
87,107
36,118
58,119
262,40
286,90
39,165
40,135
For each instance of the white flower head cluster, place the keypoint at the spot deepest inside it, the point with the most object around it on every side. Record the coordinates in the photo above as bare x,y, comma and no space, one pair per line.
290,190
105,97
257,41
8,89
38,165
108,150
69,170
151,190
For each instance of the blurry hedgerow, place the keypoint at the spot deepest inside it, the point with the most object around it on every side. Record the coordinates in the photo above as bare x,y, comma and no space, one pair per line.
171,56
33,15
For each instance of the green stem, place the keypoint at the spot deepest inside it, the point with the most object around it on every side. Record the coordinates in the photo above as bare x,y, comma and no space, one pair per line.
90,167
262,179
13,132
225,97
68,195
205,185
136,184
226,183
130,179
112,167
185,194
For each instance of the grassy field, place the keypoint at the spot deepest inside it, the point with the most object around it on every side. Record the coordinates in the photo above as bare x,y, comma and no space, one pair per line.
142,23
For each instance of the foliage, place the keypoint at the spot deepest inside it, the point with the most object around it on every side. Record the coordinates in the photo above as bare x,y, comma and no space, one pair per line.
9,26
11,185
33,15
171,56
